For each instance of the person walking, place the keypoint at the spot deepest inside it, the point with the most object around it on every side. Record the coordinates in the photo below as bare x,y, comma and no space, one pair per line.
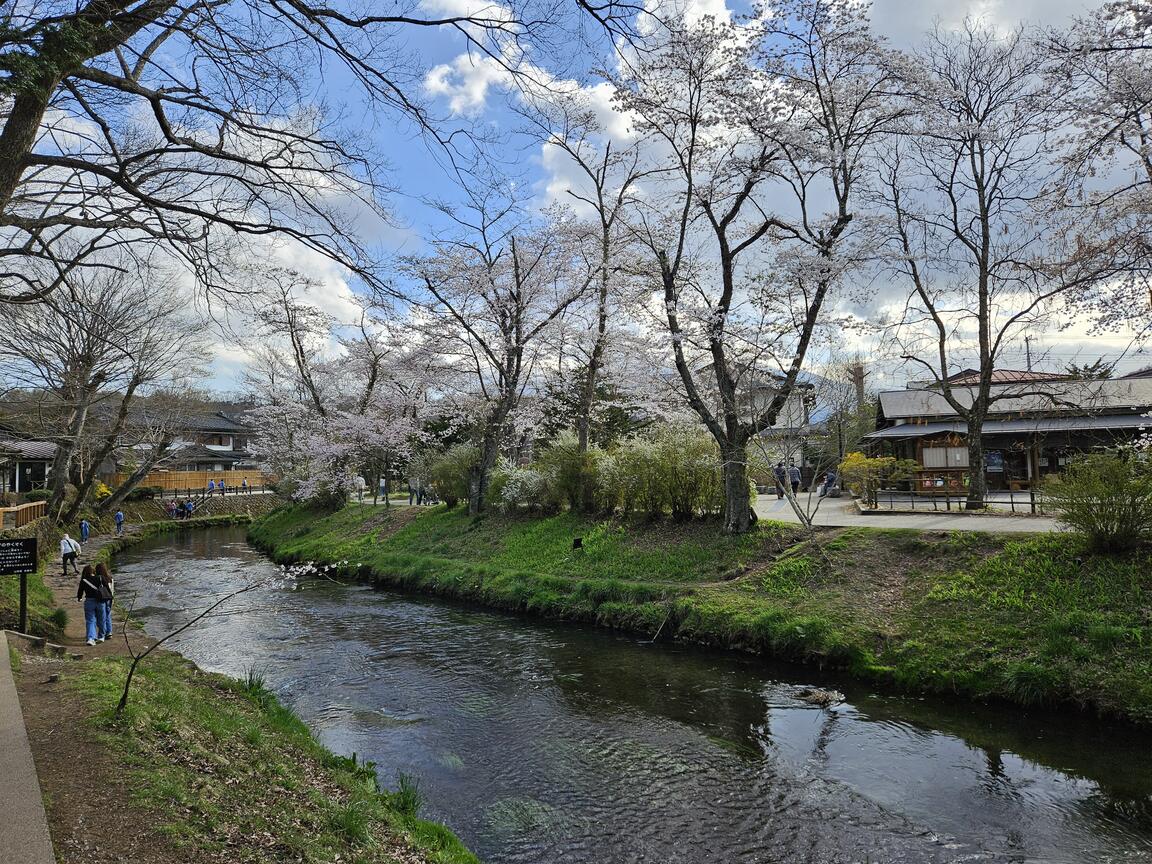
244,486
779,475
89,591
188,508
794,478
221,487
211,487
69,549
107,587
85,530
119,520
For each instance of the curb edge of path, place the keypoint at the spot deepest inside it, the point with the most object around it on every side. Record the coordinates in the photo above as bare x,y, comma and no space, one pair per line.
24,835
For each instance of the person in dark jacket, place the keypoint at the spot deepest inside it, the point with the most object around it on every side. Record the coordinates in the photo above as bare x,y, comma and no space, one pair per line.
778,474
89,591
107,592
794,478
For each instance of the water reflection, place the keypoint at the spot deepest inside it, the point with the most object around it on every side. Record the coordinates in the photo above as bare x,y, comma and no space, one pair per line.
539,743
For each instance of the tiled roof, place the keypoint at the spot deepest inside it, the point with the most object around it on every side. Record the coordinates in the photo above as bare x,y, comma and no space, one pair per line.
1053,397
1007,376
45,450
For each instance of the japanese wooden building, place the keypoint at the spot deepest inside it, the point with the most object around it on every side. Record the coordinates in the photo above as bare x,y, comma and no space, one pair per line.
1034,427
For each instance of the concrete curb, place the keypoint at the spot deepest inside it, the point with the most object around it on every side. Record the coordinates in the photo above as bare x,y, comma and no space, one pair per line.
24,837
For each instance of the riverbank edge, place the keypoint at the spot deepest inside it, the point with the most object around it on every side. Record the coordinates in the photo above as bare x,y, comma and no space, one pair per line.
433,839
680,615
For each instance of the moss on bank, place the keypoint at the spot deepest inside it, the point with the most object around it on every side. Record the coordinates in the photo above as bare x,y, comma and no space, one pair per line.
1026,618
230,771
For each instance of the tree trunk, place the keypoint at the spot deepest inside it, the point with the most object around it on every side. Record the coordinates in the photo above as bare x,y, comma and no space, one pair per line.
738,514
977,485
133,480
65,451
481,474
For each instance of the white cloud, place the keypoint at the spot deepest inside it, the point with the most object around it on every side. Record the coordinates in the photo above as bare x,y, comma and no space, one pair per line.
466,82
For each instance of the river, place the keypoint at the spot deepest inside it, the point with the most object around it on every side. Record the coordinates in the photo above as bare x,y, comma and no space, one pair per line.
545,743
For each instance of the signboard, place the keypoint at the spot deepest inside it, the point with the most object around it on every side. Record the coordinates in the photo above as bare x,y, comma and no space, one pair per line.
18,556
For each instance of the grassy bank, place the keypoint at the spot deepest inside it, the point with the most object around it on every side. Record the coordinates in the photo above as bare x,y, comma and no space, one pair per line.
229,773
1031,619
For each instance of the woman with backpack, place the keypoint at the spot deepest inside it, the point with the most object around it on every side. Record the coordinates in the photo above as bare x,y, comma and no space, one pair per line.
89,591
107,593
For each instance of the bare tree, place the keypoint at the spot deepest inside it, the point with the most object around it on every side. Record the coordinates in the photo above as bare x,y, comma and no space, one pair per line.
90,350
768,126
980,233
190,123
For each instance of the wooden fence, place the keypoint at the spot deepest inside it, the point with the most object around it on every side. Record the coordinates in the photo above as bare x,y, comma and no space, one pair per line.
17,517
195,479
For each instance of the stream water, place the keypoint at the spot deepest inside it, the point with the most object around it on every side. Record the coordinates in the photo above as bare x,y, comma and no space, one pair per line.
546,743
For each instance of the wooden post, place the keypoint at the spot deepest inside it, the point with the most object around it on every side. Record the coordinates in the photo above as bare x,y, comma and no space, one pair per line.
23,602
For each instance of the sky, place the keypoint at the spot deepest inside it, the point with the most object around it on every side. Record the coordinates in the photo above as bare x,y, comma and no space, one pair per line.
471,93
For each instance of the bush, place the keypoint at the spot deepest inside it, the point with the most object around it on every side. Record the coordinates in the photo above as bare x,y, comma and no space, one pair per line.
572,478
516,488
449,472
37,495
1105,497
100,491
864,475
677,471
143,493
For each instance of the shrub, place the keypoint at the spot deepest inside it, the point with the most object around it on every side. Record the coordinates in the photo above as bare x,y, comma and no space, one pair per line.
142,493
572,478
518,488
37,495
1105,497
100,491
449,472
676,471
864,474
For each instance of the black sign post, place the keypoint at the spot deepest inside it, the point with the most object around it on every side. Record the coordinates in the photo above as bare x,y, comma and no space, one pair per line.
19,556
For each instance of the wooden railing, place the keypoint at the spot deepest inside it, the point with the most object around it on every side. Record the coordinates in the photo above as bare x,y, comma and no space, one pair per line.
194,479
17,517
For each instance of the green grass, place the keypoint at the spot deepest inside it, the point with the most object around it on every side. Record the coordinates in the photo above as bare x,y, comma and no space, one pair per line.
228,769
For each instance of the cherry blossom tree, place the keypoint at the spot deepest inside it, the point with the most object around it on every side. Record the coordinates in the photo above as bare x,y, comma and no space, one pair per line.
338,399
768,126
1103,65
495,290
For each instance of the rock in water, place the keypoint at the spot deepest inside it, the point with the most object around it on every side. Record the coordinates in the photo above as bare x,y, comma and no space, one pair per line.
822,698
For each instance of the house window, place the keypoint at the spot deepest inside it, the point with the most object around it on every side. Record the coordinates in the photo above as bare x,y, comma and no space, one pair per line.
945,457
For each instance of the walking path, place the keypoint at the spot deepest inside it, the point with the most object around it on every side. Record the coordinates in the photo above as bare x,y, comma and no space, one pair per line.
843,512
24,837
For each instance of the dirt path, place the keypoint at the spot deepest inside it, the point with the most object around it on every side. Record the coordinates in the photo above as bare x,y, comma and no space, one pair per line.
88,798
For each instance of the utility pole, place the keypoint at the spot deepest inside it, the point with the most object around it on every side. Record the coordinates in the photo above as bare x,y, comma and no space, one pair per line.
1028,351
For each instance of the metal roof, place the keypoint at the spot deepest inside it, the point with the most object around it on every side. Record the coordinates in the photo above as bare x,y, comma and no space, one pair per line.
1015,427
1049,397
